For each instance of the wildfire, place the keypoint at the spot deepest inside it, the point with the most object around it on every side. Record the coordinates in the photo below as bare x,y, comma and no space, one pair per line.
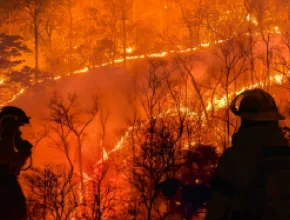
276,30
142,56
217,102
162,54
105,154
248,17
205,44
84,70
57,77
14,97
129,50
253,20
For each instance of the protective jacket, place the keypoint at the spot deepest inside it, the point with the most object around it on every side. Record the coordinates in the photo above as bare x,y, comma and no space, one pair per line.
233,184
13,154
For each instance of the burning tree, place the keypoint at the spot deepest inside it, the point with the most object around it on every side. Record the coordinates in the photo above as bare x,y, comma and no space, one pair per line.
167,131
54,191
67,120
34,10
155,160
264,13
192,17
12,47
189,191
232,64
282,64
51,193
102,193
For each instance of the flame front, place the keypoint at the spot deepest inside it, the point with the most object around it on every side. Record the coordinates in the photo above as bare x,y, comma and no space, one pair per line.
218,103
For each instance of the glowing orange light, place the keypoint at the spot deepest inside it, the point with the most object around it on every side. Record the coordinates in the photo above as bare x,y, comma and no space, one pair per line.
205,44
57,77
253,20
217,102
105,154
129,50
120,60
84,70
162,54
277,30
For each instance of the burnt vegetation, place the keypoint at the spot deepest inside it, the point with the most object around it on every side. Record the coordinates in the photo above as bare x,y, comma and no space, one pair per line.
185,61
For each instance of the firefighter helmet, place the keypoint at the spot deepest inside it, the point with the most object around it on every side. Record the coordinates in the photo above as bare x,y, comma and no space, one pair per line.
256,105
17,113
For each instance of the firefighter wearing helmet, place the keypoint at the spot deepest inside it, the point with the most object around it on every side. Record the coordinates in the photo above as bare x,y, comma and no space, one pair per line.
14,152
247,183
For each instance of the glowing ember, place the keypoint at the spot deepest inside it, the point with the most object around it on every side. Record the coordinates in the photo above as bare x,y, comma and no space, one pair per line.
84,70
276,30
248,17
57,77
205,44
162,54
253,20
278,78
209,106
105,154
86,177
129,50
22,91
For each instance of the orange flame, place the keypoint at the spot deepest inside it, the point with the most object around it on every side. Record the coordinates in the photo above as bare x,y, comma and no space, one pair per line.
218,102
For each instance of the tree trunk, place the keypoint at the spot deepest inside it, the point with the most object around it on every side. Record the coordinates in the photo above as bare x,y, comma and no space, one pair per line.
198,93
251,57
36,46
99,213
151,205
114,46
114,33
124,37
45,198
70,61
227,113
190,32
149,211
267,44
268,61
80,162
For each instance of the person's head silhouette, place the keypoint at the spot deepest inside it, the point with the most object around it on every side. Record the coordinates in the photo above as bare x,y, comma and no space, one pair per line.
256,106
14,152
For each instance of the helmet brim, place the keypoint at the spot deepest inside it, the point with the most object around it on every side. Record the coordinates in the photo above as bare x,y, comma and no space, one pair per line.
263,116
25,121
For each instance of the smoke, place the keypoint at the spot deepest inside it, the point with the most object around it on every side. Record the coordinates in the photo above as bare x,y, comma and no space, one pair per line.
108,84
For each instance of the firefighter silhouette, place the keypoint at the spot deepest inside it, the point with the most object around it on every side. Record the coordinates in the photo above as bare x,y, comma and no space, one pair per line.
253,176
14,152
